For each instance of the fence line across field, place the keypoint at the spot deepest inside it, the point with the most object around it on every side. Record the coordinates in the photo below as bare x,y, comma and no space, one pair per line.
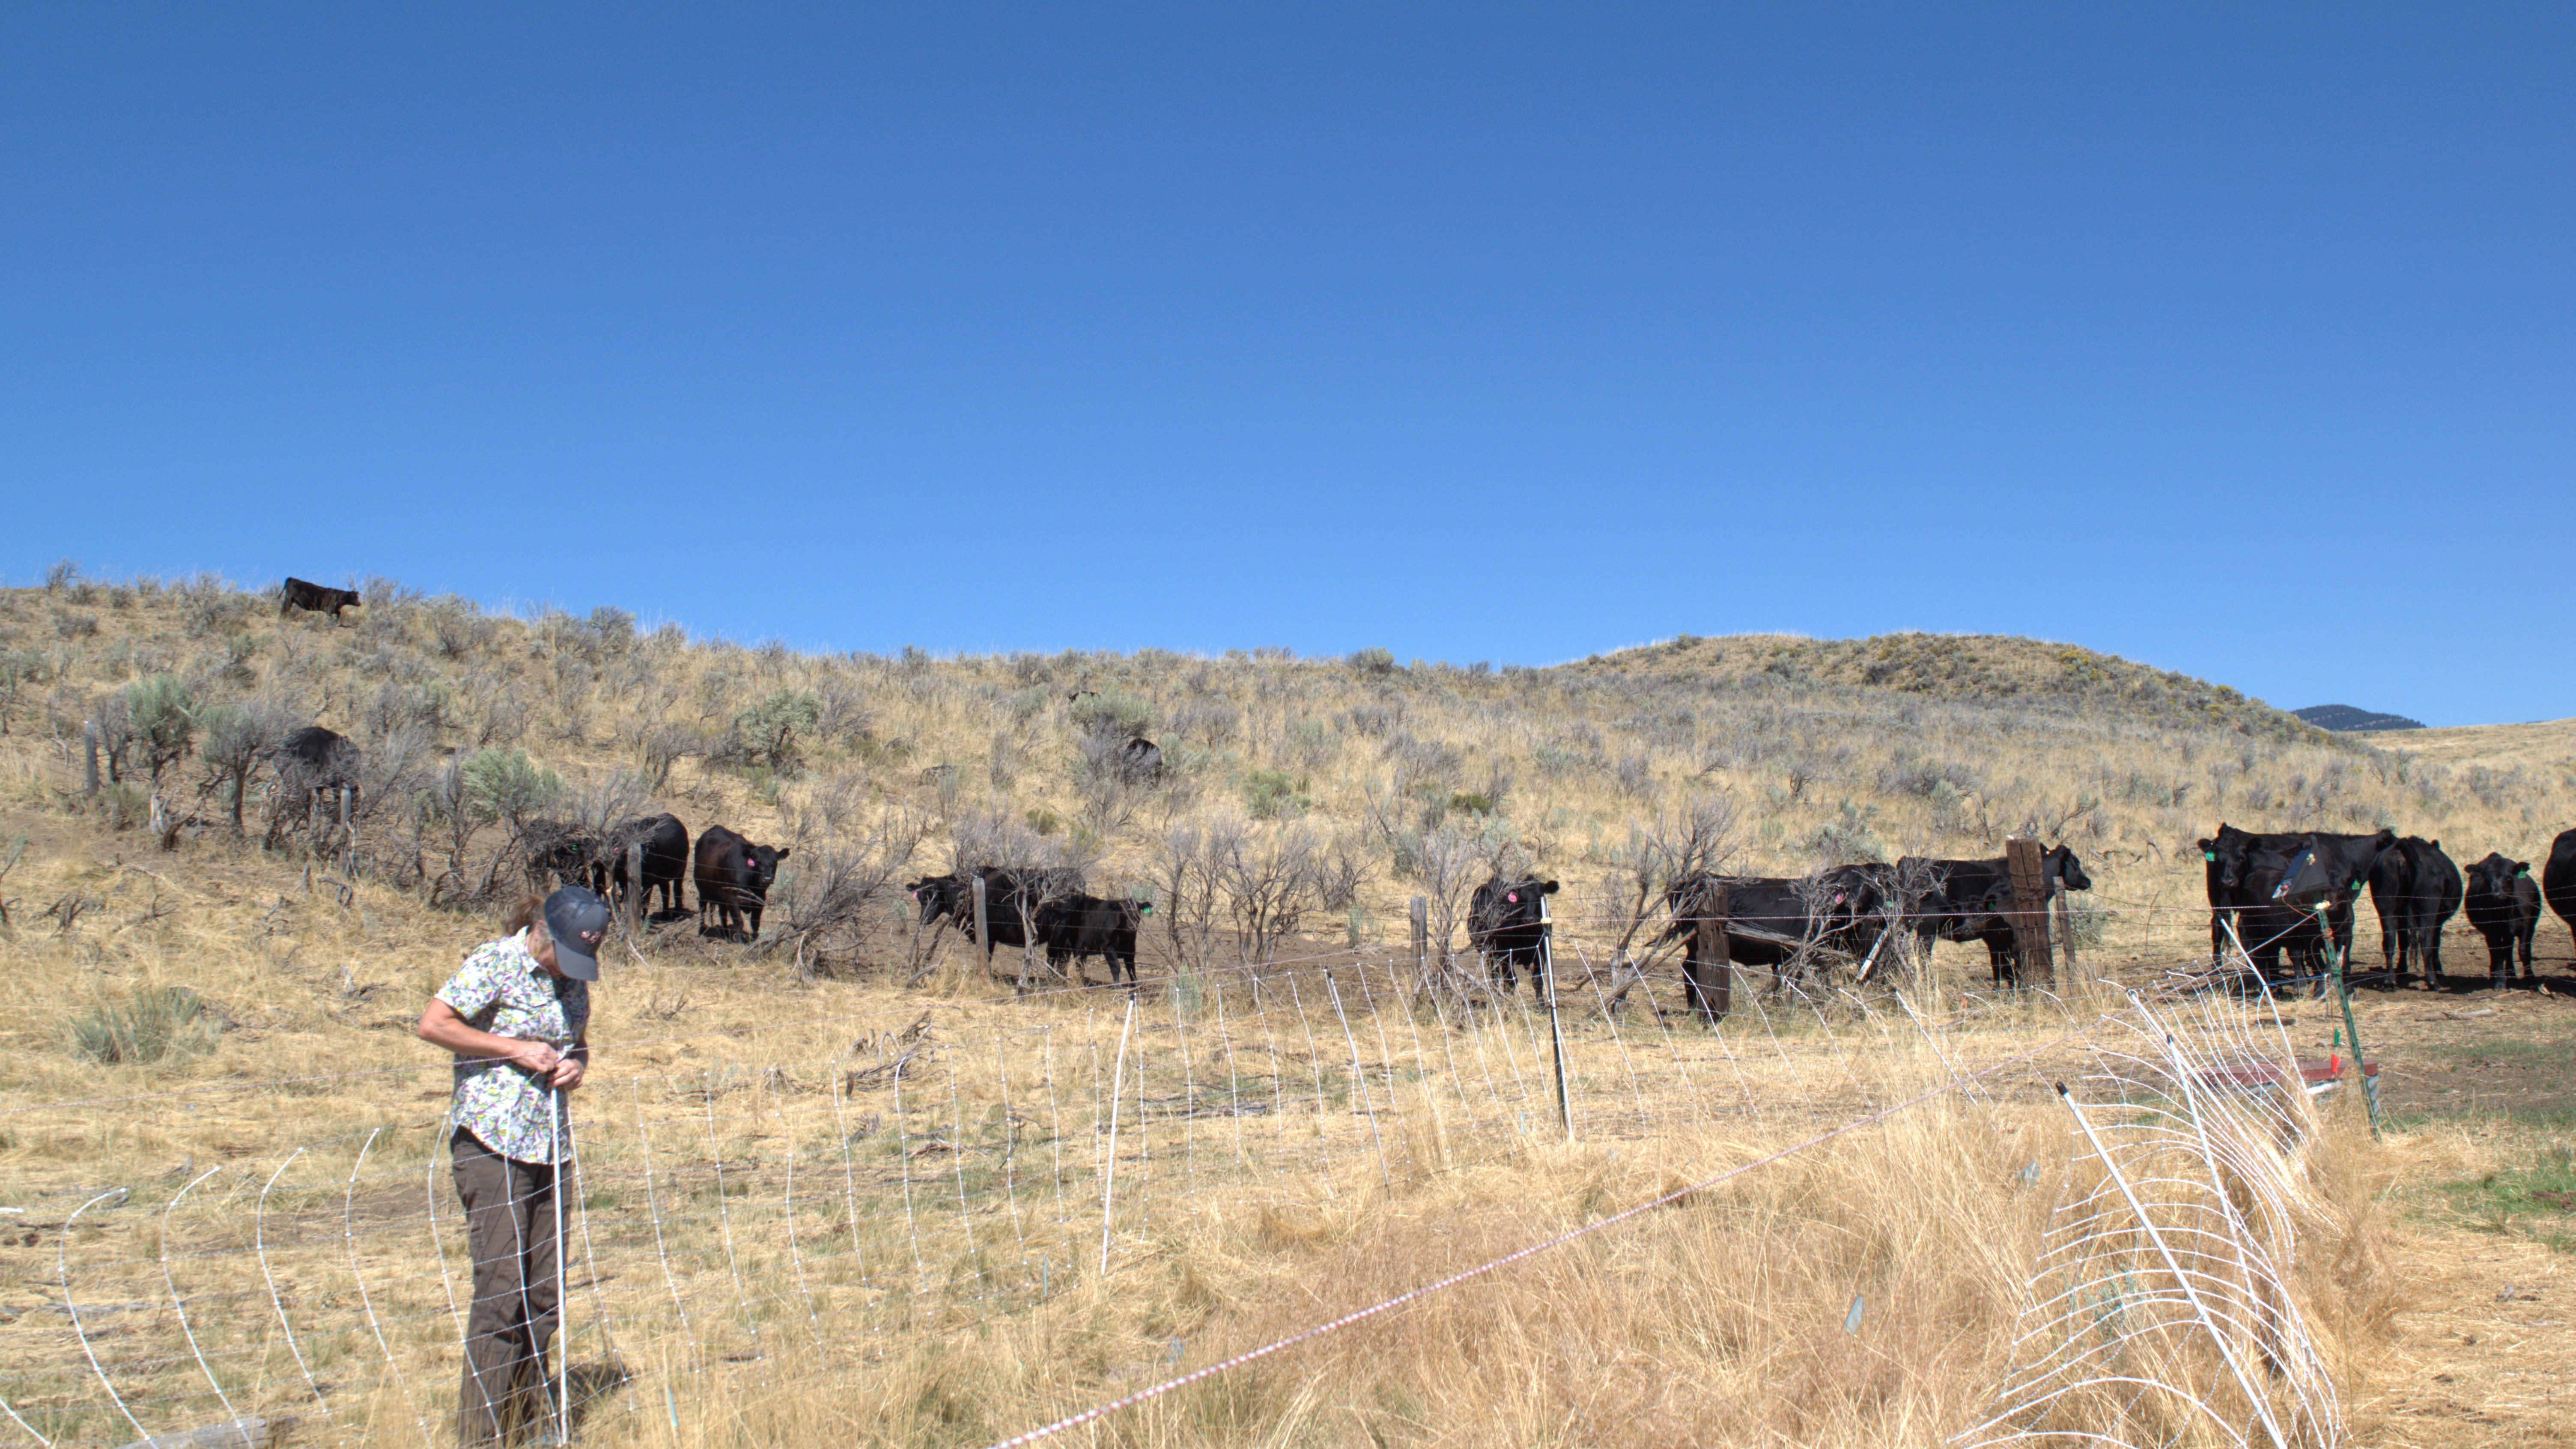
1261,1069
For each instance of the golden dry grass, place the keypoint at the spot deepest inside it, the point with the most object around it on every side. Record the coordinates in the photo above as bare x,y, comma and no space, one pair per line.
1720,1320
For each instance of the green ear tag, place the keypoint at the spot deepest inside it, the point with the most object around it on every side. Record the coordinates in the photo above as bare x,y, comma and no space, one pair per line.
2210,855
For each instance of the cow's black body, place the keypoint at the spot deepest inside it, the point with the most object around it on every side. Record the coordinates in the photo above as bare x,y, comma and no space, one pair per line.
2415,888
1505,926
2558,877
316,599
2504,906
1012,902
1972,900
733,878
666,858
1141,760
1836,910
2252,874
1078,927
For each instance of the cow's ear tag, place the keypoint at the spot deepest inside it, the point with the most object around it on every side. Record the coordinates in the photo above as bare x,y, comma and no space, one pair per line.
1149,910
2210,855
1513,896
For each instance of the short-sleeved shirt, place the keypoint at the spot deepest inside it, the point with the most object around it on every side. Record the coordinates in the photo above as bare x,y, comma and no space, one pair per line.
501,989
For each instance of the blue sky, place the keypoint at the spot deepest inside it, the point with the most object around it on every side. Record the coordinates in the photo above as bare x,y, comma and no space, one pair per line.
2236,343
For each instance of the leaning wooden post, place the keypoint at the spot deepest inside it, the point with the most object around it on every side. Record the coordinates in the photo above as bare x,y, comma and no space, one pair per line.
2029,910
89,757
1555,1027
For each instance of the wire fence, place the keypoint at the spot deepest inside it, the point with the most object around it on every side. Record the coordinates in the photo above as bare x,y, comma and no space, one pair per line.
965,1166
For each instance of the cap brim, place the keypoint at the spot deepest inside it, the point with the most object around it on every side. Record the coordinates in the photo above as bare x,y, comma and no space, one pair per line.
574,964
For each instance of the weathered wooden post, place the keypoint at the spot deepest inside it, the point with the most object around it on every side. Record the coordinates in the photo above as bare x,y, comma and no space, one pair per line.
1555,1027
2029,910
89,757
348,842
1421,912
983,926
2064,906
1712,961
635,889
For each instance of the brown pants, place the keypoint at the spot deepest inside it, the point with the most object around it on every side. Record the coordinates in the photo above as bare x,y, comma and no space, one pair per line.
510,1221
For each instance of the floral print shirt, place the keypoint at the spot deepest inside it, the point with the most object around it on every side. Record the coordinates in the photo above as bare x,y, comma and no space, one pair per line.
501,989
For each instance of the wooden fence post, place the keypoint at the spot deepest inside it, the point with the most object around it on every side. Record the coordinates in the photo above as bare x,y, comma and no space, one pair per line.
2064,906
348,842
983,925
89,757
2029,910
1421,911
635,889
1712,961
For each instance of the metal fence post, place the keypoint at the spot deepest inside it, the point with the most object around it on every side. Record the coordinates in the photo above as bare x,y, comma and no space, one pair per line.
1555,1027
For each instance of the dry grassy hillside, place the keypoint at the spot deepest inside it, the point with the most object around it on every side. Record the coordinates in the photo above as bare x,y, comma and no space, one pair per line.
1316,795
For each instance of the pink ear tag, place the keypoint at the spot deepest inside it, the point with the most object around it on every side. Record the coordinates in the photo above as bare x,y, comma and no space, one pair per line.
1513,896
1838,898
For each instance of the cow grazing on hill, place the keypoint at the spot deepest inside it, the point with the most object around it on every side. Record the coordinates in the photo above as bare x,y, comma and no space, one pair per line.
1077,927
2415,888
1505,925
2504,906
1971,900
311,764
2558,877
733,877
314,598
1140,760
666,858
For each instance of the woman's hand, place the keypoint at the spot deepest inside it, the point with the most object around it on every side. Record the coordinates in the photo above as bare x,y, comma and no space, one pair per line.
533,1057
567,1073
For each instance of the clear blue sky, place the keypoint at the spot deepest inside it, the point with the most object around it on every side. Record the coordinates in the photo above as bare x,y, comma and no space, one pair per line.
2234,343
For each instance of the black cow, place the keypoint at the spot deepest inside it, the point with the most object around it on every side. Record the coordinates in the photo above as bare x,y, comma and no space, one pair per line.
2416,890
311,762
2254,877
1503,924
2558,877
1012,901
1141,761
316,599
563,854
1836,910
1078,927
2222,910
2504,907
666,858
733,878
1971,900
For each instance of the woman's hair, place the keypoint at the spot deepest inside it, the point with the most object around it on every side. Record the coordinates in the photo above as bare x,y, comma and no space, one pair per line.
530,911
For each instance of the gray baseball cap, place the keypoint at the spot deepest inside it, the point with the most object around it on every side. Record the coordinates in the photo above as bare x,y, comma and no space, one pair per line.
578,920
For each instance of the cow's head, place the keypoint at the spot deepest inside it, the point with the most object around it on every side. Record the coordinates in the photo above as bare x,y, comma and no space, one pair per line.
2234,849
2062,866
2495,875
762,863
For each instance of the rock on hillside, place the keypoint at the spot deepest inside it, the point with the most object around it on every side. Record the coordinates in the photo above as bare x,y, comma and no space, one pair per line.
1980,667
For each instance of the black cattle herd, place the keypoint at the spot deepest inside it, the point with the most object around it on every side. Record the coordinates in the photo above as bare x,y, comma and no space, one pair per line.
2273,898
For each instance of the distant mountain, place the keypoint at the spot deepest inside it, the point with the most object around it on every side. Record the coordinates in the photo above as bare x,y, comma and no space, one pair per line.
2344,719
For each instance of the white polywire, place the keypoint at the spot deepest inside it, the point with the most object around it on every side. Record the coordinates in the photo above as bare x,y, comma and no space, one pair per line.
179,1305
652,1204
1359,1074
71,1305
349,1233
259,1240
1109,1180
23,1424
795,1250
